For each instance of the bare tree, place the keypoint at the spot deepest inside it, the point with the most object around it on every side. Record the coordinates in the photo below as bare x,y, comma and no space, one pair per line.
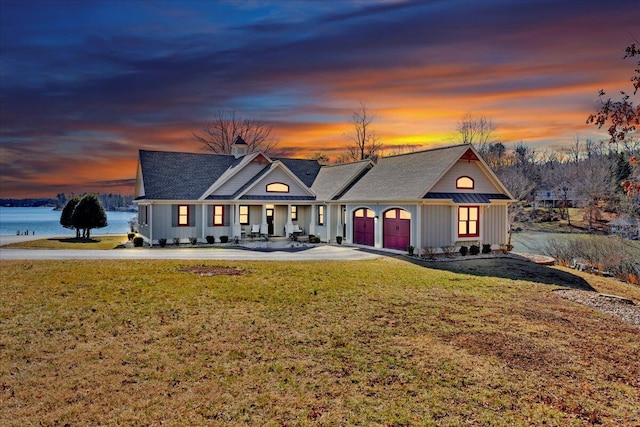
478,131
365,143
219,134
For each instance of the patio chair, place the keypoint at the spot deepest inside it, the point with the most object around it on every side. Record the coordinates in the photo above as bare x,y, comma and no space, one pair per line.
255,231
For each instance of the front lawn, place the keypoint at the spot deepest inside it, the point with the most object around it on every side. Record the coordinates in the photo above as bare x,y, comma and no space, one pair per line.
382,342
100,242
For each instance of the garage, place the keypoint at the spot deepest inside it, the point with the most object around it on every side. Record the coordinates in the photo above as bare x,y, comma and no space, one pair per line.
396,229
364,227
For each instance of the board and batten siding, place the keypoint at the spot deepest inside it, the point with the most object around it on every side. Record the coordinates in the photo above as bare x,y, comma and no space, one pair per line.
165,222
436,226
482,183
493,222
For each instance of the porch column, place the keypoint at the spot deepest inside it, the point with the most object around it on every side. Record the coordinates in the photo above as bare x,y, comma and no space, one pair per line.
327,222
204,220
264,227
150,224
418,234
314,220
289,224
236,228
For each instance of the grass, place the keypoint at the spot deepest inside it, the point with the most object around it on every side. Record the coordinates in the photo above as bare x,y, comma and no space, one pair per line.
103,242
382,342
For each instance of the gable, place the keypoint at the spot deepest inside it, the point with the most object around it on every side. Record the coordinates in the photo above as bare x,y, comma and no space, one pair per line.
482,182
277,176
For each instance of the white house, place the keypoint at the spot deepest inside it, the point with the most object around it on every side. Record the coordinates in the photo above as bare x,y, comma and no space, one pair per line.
433,198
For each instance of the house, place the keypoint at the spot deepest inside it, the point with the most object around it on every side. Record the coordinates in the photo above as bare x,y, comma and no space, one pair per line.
548,197
434,198
625,226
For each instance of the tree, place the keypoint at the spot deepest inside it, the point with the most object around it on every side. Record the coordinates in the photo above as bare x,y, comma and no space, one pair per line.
365,143
320,157
219,134
89,213
478,131
621,115
67,214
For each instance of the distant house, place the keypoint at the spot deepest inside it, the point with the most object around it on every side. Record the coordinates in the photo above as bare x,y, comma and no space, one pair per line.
554,198
435,198
625,226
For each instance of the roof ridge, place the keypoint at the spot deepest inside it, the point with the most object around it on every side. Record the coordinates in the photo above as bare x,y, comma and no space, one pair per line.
427,150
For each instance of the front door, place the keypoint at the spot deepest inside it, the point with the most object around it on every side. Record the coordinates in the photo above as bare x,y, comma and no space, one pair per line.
270,221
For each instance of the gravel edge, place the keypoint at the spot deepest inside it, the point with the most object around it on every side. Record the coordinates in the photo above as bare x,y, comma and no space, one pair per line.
619,307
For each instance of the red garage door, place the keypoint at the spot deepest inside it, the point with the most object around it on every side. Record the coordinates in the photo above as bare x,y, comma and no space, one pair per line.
396,229
363,227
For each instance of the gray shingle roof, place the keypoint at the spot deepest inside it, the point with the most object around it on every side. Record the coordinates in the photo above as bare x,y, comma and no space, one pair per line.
180,176
405,177
305,170
334,179
186,176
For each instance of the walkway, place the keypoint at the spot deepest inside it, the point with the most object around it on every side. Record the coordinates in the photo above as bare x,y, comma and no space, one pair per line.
315,253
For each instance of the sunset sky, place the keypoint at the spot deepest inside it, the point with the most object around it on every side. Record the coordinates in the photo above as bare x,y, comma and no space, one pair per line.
85,84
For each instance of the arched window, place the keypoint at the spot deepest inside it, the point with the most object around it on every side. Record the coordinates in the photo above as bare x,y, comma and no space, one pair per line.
465,183
277,187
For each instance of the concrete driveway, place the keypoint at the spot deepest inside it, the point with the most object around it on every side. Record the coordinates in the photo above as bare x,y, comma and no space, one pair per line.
315,253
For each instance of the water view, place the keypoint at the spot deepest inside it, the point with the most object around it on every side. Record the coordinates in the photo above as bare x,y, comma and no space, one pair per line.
45,221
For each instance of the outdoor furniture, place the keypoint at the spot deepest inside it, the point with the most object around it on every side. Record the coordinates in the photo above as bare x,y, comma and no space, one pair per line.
255,230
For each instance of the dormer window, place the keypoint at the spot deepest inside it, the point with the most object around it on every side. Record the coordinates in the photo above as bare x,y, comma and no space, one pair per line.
277,187
464,183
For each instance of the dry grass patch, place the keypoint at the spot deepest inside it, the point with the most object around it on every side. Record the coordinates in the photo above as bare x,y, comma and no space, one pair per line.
380,342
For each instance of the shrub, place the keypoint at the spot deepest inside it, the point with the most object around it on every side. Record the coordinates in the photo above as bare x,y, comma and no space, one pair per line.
176,241
138,242
193,240
474,250
464,250
429,252
410,250
210,240
314,239
449,250
224,239
486,249
162,242
130,236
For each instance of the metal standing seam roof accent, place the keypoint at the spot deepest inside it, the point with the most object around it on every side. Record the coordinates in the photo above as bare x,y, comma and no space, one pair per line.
467,197
277,198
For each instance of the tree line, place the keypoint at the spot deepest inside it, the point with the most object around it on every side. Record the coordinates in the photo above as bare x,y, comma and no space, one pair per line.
110,202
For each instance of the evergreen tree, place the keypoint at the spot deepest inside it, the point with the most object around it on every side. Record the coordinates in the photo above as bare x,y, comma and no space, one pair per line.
66,217
88,214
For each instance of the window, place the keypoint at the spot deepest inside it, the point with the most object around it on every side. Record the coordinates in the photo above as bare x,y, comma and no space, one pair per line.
183,215
244,215
294,213
143,215
320,215
464,182
468,218
218,215
277,187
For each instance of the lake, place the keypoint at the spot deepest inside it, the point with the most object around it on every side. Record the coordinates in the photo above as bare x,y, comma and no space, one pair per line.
46,222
